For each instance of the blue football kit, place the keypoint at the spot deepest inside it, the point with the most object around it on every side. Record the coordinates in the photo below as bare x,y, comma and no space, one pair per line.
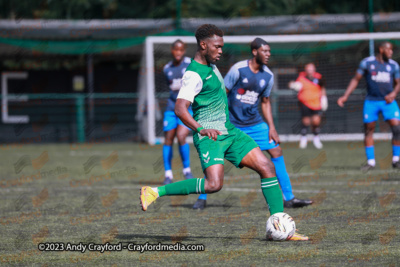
174,75
380,80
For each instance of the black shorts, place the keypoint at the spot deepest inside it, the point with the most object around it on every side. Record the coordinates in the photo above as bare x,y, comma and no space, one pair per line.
308,112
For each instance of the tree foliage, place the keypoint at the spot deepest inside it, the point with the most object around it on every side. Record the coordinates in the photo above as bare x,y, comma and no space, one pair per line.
129,9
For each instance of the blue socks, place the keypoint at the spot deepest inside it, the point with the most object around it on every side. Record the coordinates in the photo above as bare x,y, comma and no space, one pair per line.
283,177
370,152
167,156
203,196
185,155
396,150
396,153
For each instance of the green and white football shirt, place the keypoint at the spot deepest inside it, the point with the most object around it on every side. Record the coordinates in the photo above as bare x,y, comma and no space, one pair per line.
204,87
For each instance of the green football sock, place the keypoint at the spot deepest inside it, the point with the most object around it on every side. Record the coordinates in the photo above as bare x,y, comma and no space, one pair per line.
273,194
186,187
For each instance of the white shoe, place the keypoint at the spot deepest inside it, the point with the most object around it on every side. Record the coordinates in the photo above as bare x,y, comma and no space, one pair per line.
317,142
303,142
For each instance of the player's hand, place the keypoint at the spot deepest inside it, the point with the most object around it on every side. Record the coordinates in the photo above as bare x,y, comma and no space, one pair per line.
341,101
273,136
211,133
390,97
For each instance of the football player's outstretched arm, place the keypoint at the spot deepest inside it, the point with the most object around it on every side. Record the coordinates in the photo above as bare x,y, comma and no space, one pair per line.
181,110
350,88
267,112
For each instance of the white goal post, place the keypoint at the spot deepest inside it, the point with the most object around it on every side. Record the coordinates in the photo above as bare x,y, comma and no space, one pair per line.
149,109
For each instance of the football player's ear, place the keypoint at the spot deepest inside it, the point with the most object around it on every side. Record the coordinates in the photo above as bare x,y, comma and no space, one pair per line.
203,45
254,52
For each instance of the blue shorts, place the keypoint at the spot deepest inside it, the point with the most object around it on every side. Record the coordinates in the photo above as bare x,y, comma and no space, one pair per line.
260,134
372,108
171,121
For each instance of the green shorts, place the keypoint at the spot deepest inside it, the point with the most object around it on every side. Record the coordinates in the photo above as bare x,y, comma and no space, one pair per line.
234,147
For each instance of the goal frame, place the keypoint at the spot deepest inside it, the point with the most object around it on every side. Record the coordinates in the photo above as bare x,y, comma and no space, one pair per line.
147,88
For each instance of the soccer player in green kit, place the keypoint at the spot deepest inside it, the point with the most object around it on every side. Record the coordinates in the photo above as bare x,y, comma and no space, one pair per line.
215,137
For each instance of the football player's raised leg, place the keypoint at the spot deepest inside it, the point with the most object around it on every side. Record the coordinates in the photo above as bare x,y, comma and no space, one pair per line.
213,183
181,134
258,162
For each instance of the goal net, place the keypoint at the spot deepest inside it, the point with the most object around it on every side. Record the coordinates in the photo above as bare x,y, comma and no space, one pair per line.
336,57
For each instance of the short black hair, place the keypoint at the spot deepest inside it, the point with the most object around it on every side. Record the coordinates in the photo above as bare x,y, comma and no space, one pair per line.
207,31
177,42
257,43
383,43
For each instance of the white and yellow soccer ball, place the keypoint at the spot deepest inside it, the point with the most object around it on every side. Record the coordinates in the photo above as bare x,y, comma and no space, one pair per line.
280,227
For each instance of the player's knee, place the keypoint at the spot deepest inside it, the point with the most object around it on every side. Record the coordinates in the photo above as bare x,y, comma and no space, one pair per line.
181,139
396,132
369,131
277,152
214,186
168,141
265,167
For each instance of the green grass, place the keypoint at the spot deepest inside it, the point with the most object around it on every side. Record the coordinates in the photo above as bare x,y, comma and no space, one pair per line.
354,220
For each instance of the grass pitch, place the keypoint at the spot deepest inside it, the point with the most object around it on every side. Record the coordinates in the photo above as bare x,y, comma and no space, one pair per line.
89,194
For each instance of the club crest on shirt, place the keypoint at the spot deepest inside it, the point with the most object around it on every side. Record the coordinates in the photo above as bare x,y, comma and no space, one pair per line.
372,67
245,80
262,83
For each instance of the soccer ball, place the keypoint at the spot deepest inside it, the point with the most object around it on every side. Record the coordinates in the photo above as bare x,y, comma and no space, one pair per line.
280,227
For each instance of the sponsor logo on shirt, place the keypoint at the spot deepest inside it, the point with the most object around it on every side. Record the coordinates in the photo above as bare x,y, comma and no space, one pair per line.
381,77
247,97
388,68
219,159
176,84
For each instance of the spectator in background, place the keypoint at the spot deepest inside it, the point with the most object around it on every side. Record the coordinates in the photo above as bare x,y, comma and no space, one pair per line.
310,86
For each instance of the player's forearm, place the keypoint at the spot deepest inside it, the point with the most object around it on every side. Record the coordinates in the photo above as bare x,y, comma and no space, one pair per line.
396,89
267,112
351,87
183,114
